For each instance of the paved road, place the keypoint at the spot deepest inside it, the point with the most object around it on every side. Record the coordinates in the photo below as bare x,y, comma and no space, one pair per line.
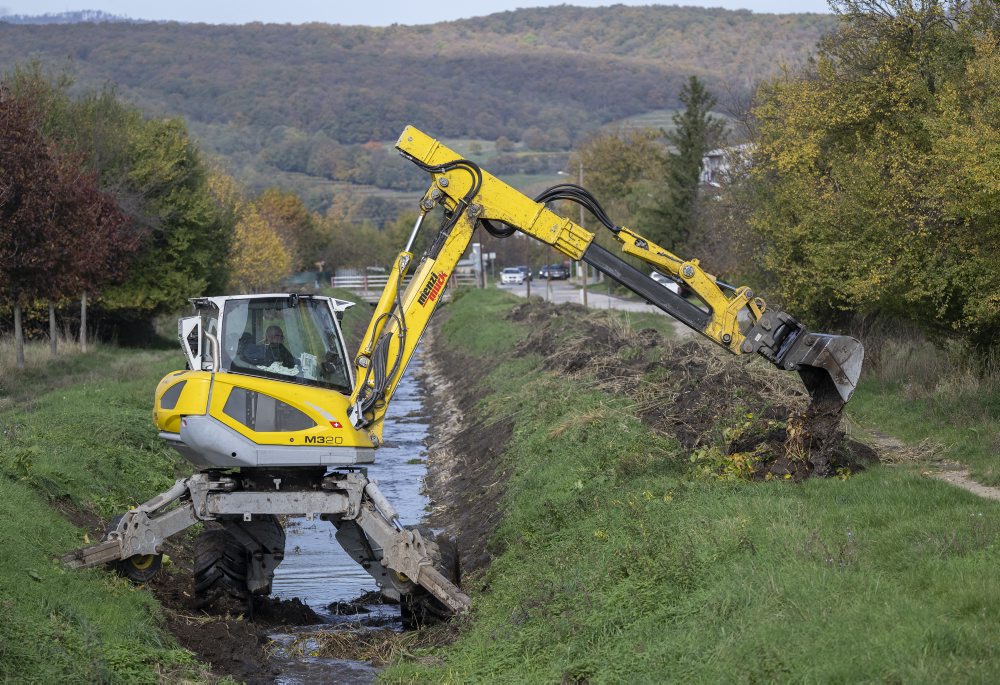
559,292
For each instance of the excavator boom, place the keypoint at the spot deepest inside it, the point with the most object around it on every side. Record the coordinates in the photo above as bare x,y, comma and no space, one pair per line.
732,317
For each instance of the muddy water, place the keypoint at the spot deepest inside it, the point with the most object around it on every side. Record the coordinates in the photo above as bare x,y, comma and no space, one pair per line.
318,571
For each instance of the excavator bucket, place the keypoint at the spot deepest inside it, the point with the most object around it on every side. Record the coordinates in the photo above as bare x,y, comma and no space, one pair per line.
829,365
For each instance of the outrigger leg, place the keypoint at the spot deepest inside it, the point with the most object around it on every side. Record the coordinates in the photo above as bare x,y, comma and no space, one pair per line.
400,559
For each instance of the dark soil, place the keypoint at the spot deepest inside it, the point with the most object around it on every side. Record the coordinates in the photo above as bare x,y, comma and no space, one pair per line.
698,393
465,477
233,639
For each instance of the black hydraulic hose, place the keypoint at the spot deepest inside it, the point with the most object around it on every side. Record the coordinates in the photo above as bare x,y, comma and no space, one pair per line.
466,165
498,229
581,196
477,181
380,356
564,191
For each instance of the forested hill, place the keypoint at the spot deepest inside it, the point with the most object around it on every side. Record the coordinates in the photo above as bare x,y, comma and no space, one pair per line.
564,68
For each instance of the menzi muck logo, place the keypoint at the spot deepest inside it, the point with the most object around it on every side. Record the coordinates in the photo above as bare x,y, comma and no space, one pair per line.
432,288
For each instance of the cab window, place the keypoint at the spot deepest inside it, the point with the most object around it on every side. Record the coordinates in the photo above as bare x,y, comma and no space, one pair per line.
286,338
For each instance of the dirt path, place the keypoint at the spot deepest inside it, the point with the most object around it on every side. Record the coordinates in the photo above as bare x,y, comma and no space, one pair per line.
950,472
959,476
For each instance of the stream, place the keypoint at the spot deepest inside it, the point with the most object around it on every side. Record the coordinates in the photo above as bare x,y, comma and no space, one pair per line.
318,571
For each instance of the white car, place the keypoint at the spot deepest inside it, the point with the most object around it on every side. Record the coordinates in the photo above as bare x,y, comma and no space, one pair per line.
512,275
670,284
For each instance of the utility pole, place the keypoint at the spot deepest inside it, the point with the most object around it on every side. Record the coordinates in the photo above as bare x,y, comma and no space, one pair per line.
585,266
482,266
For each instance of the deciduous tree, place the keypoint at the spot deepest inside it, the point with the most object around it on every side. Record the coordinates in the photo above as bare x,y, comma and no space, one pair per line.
295,225
259,260
156,175
59,234
877,168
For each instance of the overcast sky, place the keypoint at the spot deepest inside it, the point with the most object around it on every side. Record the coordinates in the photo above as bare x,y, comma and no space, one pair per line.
377,13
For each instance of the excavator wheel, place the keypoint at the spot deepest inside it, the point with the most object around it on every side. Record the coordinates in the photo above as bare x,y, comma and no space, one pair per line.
421,608
139,568
220,567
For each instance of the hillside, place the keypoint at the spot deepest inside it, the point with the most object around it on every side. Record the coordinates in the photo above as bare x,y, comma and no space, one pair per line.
292,98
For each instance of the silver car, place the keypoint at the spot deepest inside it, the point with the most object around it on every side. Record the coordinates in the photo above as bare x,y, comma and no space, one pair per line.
512,275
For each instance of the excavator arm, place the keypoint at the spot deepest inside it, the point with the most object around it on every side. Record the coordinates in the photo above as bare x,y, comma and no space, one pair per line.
733,317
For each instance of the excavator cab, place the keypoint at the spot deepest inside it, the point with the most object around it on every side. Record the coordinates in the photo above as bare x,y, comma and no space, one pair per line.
285,337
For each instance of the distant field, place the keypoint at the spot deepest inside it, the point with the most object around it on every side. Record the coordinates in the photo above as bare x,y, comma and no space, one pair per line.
660,118
319,192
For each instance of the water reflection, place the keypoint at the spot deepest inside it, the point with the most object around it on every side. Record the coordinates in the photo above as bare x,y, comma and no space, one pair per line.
316,569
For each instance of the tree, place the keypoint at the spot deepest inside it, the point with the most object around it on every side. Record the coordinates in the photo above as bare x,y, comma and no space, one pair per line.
295,225
59,234
156,176
259,260
186,238
876,173
618,169
673,213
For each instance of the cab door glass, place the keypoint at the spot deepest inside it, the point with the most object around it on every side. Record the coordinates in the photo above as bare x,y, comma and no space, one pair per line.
189,332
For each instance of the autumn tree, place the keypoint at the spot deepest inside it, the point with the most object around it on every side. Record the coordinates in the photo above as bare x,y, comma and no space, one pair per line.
876,172
355,245
156,175
295,225
618,169
259,260
59,234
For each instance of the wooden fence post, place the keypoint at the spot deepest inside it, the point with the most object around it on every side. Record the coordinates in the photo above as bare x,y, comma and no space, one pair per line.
83,323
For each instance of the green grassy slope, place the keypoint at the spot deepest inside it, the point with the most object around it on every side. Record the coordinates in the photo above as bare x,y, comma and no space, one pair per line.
78,435
961,423
619,564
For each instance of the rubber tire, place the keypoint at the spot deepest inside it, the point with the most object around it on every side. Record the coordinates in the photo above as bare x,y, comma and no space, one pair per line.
220,567
140,568
421,608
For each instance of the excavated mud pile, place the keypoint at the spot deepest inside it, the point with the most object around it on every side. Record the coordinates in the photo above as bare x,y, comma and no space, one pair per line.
749,412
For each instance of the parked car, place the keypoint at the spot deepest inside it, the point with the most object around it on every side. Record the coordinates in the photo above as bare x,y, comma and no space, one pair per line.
512,275
556,272
526,271
671,284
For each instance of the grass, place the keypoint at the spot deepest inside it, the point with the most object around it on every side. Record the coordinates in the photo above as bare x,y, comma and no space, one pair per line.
919,393
617,564
77,432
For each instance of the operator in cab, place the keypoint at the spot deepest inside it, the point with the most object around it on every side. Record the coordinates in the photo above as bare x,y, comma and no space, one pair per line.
274,348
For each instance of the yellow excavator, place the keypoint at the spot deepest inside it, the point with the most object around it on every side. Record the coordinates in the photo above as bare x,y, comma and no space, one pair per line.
279,420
